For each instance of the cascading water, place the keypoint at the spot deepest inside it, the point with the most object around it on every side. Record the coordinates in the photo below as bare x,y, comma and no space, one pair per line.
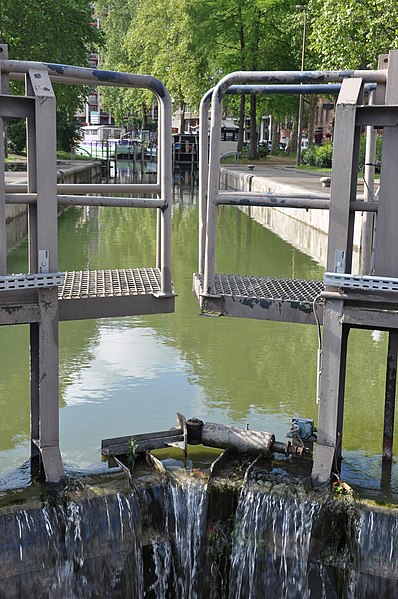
376,562
82,550
190,539
179,552
271,546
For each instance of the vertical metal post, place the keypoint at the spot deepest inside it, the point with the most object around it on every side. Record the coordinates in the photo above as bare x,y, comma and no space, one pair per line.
369,184
387,239
33,267
203,174
212,189
166,185
3,232
331,405
389,402
44,336
345,175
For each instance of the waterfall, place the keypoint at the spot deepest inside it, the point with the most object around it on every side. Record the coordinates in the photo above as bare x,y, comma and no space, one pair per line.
80,550
179,553
194,539
271,546
376,561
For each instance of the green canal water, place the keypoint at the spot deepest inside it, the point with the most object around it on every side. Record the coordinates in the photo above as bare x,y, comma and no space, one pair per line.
131,375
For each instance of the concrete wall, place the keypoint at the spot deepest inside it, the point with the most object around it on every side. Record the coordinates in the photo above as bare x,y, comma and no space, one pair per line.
17,214
306,230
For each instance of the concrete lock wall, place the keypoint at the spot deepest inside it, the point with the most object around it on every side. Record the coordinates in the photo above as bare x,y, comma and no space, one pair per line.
16,214
306,230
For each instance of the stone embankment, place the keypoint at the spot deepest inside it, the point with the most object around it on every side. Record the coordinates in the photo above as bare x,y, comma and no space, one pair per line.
307,230
68,172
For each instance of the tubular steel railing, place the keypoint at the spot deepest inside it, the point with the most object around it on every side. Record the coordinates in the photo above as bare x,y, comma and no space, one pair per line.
261,82
70,194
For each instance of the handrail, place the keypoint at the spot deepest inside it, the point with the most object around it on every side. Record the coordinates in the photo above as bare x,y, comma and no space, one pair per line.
267,89
209,175
68,74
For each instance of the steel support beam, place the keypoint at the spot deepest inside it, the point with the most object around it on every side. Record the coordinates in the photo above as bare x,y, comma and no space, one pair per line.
389,402
44,335
331,406
386,237
345,170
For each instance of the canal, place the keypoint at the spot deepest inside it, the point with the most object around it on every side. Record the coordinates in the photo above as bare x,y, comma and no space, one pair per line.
131,375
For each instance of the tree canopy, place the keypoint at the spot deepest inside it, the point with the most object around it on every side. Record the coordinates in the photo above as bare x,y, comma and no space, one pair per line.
352,33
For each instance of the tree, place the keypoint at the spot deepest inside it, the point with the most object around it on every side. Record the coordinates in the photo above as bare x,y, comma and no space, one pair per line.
254,35
352,33
51,31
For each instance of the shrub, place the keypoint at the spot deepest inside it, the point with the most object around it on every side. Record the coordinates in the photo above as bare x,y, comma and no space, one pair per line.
323,155
308,156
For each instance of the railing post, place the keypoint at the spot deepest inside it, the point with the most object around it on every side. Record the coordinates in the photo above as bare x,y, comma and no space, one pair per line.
212,189
4,89
44,258
166,185
203,174
369,184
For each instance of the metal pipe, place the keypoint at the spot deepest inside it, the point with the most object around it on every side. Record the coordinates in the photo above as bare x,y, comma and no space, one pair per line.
117,202
369,183
107,188
273,200
83,188
166,170
81,200
288,89
203,175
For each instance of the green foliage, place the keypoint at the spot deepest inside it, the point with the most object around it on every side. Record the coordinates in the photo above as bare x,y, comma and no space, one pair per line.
132,452
352,33
51,31
379,145
320,156
190,44
16,135
67,131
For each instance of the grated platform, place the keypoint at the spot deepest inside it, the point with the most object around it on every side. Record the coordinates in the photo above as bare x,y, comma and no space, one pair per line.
266,298
109,283
267,287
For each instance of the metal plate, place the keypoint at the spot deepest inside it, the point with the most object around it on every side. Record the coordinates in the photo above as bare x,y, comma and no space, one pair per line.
369,283
31,281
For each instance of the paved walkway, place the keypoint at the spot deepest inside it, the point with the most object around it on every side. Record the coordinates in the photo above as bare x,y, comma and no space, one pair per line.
284,173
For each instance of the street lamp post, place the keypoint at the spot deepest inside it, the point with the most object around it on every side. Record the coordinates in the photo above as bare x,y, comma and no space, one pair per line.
301,8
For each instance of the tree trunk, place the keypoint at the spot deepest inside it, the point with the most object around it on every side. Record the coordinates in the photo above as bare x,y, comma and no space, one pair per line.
144,118
292,145
241,131
274,135
182,117
311,119
253,150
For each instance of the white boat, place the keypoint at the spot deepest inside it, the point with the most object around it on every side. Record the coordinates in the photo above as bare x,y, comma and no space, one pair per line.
102,142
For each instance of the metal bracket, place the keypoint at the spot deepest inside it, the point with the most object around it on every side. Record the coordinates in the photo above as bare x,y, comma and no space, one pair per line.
44,261
31,281
339,261
366,283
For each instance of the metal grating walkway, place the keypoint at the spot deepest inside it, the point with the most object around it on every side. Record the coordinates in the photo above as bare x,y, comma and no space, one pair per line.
109,293
110,283
267,287
266,298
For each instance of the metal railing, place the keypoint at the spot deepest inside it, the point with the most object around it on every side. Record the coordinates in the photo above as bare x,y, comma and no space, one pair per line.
267,82
70,194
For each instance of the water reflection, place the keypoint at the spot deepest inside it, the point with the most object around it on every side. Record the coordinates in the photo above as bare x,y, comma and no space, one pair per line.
130,375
